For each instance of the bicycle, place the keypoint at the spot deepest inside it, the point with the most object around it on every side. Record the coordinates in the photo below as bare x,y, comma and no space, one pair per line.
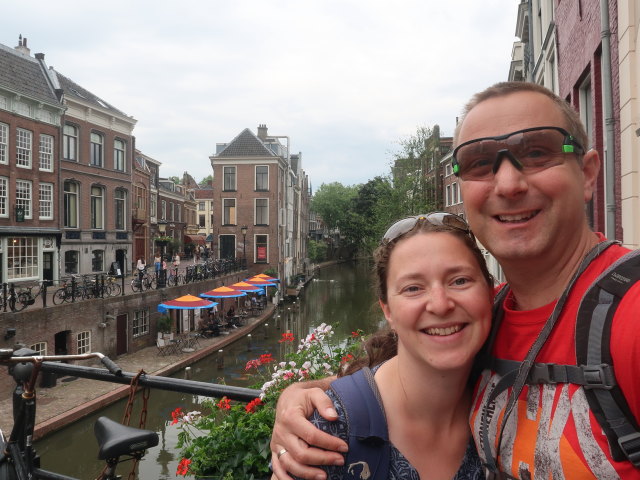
175,278
145,283
70,291
19,460
18,300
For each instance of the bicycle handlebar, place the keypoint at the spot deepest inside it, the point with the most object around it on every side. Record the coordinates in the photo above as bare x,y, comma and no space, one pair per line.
114,374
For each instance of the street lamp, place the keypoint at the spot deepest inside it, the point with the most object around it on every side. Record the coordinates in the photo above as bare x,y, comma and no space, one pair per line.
244,230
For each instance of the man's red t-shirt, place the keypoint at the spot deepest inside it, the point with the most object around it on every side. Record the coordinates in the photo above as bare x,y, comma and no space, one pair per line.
551,433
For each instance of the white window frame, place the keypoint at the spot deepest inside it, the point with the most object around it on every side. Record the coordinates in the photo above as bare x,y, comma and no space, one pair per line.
24,146
233,212
255,212
119,155
140,325
120,209
46,201
4,197
46,153
4,143
26,200
163,210
40,348
68,195
70,142
96,149
97,207
232,169
22,258
83,342
266,189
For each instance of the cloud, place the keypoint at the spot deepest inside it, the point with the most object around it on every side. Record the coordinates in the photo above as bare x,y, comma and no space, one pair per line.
344,79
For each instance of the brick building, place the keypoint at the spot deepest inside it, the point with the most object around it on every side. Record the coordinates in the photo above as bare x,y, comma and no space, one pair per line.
30,113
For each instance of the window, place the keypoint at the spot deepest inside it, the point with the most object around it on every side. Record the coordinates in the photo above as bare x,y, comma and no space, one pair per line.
4,182
261,253
46,201
97,207
120,209
447,169
140,323
46,152
200,206
448,199
71,261
24,139
229,178
163,213
4,143
171,211
153,206
178,213
454,190
70,204
23,196
229,211
22,258
262,211
40,348
118,155
97,145
83,342
70,143
262,178
97,261
201,221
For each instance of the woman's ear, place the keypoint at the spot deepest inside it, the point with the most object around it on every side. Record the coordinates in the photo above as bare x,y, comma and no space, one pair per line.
386,311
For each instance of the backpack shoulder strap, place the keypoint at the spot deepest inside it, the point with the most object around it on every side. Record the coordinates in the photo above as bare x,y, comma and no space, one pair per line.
369,449
593,335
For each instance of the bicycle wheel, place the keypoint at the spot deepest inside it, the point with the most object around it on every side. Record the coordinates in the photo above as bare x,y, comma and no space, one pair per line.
23,301
150,283
180,279
113,289
136,285
60,296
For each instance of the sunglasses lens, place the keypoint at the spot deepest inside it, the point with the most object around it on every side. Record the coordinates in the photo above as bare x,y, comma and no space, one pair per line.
437,218
400,228
534,150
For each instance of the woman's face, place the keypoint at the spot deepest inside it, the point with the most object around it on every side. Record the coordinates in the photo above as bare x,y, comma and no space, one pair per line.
438,301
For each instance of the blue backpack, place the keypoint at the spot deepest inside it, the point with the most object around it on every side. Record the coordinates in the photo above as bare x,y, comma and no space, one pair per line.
369,448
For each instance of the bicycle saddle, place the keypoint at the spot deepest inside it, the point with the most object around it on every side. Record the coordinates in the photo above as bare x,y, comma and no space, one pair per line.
115,439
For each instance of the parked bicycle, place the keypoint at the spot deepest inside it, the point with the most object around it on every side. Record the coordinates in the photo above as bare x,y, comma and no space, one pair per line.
17,298
174,279
19,460
71,290
147,282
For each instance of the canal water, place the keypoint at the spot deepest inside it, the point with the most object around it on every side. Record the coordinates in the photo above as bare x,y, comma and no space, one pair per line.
339,295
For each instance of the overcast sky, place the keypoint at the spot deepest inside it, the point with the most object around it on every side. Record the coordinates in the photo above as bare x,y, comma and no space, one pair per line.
344,79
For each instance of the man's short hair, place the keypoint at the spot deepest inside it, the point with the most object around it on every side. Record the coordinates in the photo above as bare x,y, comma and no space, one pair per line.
574,124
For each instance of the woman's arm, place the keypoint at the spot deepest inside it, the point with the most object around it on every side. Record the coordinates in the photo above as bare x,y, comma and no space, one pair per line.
304,443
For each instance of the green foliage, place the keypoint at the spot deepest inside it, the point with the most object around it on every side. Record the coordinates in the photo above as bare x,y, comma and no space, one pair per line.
317,251
205,181
164,324
232,440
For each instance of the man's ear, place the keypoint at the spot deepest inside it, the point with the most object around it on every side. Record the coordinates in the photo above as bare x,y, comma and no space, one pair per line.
590,172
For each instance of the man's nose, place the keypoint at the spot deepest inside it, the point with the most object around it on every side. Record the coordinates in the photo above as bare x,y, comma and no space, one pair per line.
508,176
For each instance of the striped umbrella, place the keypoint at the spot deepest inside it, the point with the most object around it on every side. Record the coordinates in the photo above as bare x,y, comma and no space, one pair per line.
186,302
245,287
267,277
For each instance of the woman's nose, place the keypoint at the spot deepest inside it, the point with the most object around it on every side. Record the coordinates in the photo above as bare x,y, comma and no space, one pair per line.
439,302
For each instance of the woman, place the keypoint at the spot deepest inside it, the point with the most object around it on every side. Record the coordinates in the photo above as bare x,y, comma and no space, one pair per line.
157,261
436,294
141,266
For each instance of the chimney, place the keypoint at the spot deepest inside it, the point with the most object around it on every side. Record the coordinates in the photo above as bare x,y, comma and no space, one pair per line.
262,131
22,46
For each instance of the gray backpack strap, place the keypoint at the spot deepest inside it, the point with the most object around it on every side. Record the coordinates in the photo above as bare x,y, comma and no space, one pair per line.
593,352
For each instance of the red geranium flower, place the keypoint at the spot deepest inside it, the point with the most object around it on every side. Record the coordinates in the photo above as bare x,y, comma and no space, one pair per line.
224,404
266,358
183,466
252,405
286,337
355,334
346,359
176,414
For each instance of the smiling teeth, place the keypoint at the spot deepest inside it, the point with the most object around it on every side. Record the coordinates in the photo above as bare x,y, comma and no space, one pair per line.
444,331
516,218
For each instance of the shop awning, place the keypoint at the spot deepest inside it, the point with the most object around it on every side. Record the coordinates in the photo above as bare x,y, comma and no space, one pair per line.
197,239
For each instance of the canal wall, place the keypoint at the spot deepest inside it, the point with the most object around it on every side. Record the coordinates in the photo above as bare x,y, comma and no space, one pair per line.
113,325
70,401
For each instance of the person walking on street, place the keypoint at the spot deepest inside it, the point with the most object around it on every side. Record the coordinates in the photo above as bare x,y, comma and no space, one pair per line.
525,176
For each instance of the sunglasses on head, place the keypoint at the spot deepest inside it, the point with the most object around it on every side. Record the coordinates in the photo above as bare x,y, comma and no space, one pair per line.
436,218
529,150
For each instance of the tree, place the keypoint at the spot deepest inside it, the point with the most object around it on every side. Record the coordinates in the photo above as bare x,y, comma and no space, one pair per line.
205,181
331,201
175,180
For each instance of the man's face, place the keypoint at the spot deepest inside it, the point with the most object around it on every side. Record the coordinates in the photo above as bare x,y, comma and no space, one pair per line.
526,216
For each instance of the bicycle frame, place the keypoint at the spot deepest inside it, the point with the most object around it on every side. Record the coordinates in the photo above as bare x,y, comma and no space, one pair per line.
20,461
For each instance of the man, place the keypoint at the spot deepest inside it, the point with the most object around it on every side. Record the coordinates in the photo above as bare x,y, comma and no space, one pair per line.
524,190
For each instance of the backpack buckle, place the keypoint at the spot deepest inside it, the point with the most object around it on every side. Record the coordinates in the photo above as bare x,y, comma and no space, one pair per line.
630,445
598,376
